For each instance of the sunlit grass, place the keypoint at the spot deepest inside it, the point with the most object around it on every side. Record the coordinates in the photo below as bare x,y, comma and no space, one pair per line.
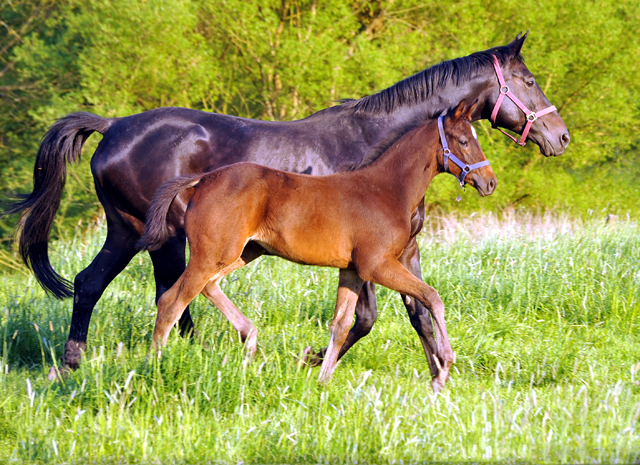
543,313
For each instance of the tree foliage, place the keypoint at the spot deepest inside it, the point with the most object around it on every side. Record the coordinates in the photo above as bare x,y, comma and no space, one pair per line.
286,59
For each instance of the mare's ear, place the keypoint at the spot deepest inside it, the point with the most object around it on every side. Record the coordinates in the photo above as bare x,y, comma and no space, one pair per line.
459,111
468,111
516,44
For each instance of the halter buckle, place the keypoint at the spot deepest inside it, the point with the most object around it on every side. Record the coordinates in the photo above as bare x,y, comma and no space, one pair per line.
504,89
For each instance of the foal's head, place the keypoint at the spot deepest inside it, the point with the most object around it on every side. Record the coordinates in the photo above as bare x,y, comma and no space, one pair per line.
461,154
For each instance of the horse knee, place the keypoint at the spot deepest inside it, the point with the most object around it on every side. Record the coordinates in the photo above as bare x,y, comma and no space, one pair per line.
87,290
431,299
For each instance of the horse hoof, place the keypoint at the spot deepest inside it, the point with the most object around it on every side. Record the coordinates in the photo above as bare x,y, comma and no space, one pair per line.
437,385
56,374
304,359
309,358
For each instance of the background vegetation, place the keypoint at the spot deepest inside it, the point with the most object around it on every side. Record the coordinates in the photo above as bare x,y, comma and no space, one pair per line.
285,59
543,314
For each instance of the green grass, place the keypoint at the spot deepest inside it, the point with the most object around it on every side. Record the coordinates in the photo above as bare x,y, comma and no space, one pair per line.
543,313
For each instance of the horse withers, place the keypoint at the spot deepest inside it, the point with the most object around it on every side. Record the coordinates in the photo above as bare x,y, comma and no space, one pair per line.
359,222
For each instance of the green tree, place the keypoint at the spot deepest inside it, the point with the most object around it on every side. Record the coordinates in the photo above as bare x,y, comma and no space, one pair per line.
286,59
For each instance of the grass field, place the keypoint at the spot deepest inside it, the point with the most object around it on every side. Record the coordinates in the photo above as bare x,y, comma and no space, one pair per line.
543,313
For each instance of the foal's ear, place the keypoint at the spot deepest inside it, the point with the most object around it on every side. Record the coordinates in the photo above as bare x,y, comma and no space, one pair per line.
516,44
459,111
468,111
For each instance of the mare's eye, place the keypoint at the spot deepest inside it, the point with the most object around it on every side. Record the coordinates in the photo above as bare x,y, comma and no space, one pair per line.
530,82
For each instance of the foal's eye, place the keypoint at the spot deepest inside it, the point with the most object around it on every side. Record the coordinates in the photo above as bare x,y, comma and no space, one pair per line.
463,142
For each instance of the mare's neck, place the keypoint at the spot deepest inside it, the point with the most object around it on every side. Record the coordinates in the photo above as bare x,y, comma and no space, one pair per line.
377,127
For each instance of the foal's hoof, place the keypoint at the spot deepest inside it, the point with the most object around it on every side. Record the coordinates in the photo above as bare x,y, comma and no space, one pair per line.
309,358
437,385
57,374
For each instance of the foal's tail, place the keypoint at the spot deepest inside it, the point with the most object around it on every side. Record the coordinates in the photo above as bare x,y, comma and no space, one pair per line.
157,230
62,144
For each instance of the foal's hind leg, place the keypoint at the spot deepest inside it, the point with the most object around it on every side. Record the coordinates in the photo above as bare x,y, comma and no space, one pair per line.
390,273
348,289
248,333
174,301
168,264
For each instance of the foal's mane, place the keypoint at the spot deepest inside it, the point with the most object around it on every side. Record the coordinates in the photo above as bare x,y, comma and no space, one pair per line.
417,88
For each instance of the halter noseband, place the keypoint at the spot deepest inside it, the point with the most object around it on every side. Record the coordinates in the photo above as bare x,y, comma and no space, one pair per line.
530,116
465,169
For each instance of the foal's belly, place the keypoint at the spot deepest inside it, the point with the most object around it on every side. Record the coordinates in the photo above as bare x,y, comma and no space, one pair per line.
307,252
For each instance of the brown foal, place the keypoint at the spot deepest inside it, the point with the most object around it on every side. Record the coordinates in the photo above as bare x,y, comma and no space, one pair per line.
356,221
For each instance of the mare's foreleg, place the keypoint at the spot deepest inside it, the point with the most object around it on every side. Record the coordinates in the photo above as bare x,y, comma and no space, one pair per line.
392,274
348,289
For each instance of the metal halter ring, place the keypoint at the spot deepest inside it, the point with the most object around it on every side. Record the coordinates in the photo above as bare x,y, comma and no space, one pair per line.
532,117
504,90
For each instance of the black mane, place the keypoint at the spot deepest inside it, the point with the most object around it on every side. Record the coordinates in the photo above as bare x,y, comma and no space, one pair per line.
420,86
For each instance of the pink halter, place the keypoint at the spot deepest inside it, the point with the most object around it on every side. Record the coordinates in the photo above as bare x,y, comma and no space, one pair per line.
531,116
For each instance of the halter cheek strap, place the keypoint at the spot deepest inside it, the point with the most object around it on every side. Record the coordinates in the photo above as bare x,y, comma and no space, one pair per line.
531,116
448,155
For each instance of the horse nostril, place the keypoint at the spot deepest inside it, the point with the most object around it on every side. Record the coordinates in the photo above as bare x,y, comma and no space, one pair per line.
492,185
566,139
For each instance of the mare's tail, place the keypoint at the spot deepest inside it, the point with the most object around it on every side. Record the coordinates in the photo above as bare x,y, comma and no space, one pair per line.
157,230
62,144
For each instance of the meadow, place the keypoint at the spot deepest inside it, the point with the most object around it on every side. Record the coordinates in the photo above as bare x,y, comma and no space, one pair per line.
543,312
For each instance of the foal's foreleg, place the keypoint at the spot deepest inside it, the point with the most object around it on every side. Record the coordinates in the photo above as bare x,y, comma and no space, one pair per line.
366,315
348,289
390,273
418,315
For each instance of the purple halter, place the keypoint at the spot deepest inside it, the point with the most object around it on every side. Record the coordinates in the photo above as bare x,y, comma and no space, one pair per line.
465,169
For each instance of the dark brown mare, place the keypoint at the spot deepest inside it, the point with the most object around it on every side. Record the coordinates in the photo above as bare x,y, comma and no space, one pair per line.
139,153
359,222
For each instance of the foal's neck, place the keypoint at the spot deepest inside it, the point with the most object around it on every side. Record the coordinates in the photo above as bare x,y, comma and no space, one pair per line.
407,168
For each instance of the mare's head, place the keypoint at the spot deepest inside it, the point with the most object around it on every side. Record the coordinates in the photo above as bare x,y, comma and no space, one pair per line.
547,129
461,152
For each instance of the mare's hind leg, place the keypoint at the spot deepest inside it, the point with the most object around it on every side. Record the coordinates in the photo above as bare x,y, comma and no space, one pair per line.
117,251
348,289
392,274
168,264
